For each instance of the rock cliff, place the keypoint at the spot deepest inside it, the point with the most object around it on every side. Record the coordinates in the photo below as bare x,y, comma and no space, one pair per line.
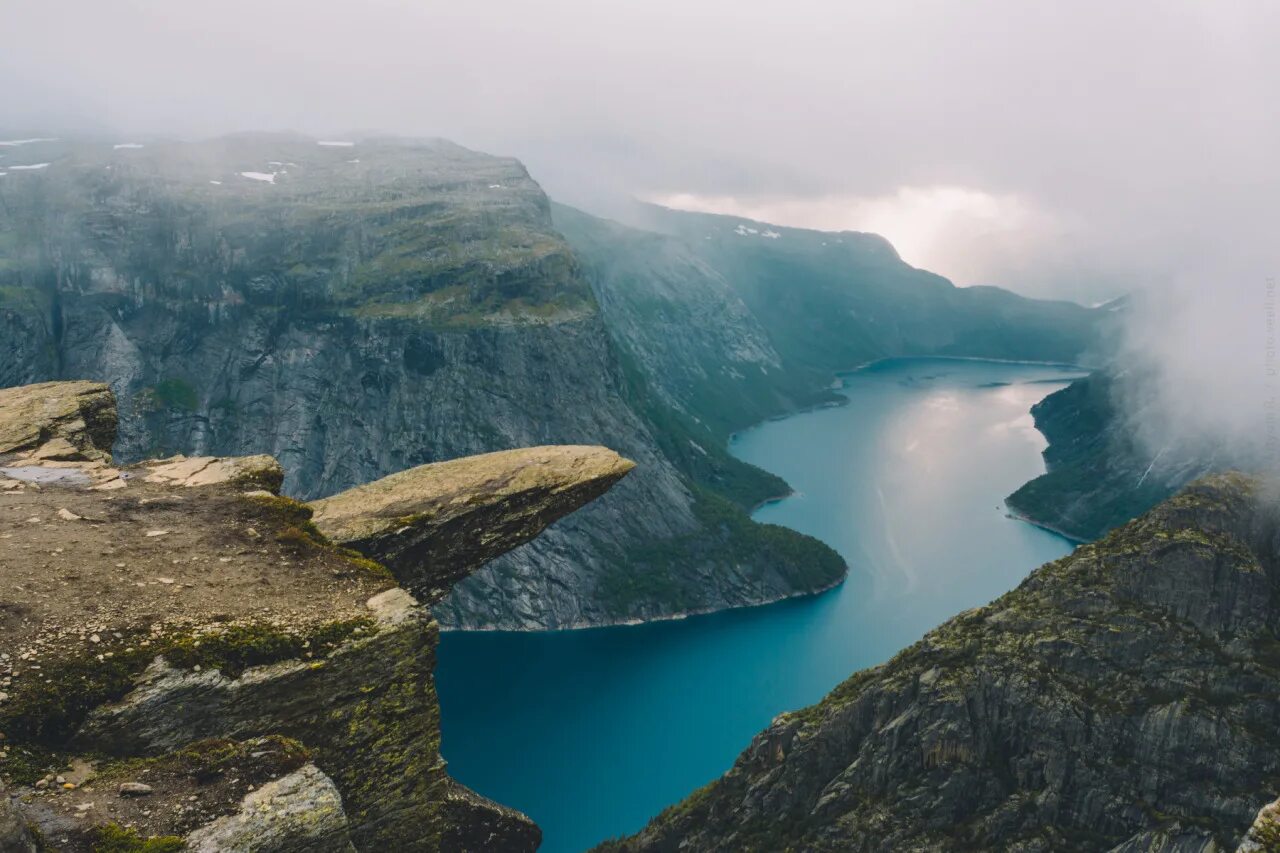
354,311
1121,698
188,662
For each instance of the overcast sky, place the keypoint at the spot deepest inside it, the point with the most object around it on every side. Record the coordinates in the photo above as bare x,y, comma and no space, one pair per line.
1075,148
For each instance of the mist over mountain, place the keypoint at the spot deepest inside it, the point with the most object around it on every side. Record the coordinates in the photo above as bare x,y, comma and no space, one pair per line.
1102,171
328,327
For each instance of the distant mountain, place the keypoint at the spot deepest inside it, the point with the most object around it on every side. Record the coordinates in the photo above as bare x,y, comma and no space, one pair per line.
778,311
358,307
832,301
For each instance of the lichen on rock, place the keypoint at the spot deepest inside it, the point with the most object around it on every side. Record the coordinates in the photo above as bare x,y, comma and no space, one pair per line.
79,416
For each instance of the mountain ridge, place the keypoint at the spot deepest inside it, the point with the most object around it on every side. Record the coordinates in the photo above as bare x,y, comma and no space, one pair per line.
356,309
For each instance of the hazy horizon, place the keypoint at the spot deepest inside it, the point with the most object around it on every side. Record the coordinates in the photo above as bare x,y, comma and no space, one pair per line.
1073,150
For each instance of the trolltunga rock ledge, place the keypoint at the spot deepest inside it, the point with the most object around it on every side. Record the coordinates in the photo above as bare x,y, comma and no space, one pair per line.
435,524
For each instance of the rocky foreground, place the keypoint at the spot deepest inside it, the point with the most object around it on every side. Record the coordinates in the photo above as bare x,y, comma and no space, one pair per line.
1123,698
190,661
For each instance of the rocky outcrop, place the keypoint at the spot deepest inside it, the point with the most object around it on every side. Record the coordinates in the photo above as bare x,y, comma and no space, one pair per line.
298,813
250,472
58,420
1120,696
15,834
435,524
187,658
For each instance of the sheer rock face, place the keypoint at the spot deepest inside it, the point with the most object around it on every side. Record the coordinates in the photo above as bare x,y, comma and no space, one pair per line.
180,613
79,416
1124,695
435,524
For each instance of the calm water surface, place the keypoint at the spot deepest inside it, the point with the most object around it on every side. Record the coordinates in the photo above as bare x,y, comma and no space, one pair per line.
592,732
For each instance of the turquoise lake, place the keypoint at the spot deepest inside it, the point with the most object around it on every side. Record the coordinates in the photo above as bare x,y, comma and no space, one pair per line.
592,732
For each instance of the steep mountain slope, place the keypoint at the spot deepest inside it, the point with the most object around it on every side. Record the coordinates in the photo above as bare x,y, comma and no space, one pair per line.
1122,697
1100,473
704,351
356,309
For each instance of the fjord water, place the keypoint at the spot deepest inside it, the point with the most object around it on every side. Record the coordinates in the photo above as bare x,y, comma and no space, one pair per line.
592,732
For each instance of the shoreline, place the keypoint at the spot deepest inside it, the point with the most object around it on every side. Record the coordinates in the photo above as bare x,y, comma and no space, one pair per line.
842,400
1018,515
639,623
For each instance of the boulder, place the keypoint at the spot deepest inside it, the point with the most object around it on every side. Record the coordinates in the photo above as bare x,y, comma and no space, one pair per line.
299,813
58,420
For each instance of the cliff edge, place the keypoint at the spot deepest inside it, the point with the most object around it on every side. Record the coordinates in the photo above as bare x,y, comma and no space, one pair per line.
187,661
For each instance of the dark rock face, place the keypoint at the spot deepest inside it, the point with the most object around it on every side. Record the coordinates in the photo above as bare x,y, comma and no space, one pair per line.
15,835
1122,695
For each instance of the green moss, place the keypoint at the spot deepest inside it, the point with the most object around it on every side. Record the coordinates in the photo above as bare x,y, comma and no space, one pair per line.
236,649
45,713
27,763
285,513
175,393
369,567
206,760
113,838
295,530
1266,833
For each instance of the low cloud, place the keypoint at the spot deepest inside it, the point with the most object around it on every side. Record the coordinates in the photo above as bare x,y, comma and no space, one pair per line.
969,235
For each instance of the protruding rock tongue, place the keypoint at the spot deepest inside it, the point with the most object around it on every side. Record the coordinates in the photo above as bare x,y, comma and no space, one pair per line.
435,524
